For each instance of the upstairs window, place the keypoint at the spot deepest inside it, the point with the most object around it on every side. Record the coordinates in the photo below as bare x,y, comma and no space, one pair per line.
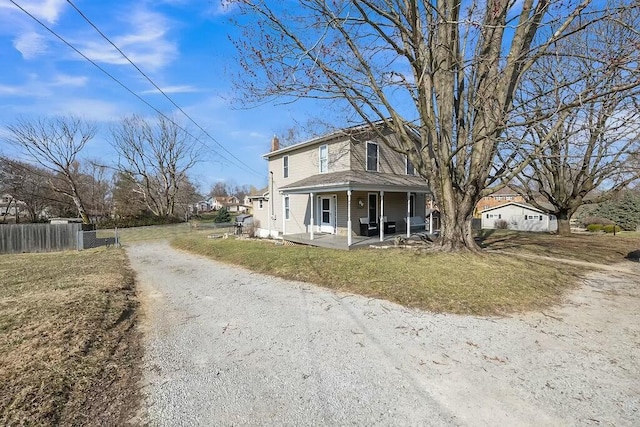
324,159
285,166
260,206
372,157
410,169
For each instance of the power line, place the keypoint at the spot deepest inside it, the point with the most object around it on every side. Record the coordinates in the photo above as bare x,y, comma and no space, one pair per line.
127,88
155,85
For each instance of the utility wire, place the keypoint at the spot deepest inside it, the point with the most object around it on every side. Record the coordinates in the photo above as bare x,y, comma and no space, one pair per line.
156,86
123,85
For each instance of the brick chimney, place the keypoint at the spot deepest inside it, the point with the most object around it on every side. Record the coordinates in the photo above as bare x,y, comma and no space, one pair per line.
275,143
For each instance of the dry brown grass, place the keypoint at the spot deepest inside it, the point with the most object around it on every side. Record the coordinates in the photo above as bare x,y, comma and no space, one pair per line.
490,284
600,248
69,352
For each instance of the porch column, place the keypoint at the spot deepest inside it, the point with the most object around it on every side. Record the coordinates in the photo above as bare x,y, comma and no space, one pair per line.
348,217
380,224
408,214
312,196
431,221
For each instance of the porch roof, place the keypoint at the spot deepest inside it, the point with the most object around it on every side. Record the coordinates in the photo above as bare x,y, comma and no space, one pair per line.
357,180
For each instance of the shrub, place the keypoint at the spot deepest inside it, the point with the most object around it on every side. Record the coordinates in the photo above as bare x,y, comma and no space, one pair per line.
595,227
137,221
595,220
610,227
501,224
223,215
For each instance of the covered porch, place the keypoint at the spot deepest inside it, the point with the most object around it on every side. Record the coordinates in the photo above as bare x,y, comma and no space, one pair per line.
333,241
355,209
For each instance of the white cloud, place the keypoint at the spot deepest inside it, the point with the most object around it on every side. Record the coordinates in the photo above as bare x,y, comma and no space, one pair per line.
66,80
223,7
90,109
9,90
171,89
45,10
146,45
30,44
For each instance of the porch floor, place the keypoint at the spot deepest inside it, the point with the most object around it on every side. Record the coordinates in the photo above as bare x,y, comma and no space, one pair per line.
332,241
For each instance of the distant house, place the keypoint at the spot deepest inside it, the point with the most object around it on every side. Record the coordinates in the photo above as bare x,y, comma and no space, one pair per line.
202,206
237,208
503,196
218,202
518,216
347,183
10,206
258,200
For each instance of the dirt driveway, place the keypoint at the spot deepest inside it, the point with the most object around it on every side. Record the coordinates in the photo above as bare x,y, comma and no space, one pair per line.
225,346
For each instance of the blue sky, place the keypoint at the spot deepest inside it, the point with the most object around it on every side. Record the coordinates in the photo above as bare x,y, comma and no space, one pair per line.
182,45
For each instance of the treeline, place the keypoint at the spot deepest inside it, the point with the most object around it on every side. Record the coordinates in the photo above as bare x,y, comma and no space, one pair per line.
148,184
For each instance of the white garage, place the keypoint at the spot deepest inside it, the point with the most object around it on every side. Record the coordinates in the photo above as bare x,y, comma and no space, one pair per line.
518,216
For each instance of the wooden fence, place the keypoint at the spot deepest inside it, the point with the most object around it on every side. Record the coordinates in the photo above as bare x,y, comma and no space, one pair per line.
18,238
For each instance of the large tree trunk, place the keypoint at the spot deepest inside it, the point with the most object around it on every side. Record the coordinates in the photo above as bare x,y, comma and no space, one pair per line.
564,225
455,228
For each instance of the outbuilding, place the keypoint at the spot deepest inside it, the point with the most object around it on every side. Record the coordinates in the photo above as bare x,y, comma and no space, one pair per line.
518,216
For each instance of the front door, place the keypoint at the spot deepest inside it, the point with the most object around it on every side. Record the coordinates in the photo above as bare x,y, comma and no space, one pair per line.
327,215
373,208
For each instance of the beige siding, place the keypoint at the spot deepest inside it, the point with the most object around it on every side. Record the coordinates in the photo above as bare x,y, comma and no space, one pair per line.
389,161
261,216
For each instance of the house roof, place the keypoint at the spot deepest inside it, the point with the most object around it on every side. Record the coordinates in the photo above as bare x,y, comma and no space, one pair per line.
522,205
260,194
357,180
323,138
504,191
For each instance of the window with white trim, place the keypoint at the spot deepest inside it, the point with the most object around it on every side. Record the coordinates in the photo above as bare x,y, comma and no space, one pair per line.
409,166
285,166
286,208
372,157
496,216
323,155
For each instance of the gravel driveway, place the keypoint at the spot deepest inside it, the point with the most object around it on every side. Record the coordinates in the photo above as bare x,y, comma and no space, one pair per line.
225,346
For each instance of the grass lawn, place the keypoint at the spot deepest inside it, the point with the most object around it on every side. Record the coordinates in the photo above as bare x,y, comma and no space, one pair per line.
69,350
600,248
164,232
490,284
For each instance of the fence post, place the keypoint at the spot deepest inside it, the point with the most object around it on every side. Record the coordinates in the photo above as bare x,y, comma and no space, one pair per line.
117,244
80,240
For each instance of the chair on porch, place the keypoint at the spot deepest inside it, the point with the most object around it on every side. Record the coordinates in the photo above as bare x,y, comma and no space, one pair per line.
368,228
389,226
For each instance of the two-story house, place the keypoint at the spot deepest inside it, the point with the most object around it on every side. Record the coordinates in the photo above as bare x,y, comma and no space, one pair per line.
500,197
347,183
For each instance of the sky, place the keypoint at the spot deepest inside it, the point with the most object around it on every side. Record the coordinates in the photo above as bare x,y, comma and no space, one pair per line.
182,45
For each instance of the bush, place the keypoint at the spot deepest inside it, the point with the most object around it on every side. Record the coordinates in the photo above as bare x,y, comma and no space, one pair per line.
595,227
610,227
137,221
501,224
223,215
595,220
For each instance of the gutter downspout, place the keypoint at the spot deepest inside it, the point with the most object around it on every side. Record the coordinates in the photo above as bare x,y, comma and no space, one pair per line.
270,202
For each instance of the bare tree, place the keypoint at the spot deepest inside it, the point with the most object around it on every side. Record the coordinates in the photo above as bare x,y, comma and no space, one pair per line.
54,143
95,181
127,202
220,189
441,74
588,148
27,184
155,157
